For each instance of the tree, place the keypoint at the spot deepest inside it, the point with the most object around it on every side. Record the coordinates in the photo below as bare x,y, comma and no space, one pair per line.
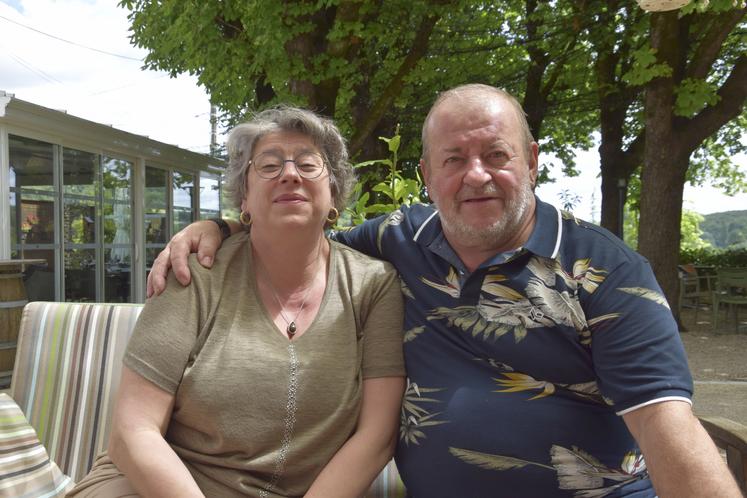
698,83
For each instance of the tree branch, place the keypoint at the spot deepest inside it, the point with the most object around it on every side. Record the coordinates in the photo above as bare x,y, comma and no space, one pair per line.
710,46
396,84
732,97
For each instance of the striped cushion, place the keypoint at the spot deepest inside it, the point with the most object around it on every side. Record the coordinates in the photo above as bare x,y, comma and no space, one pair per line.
25,468
388,484
66,371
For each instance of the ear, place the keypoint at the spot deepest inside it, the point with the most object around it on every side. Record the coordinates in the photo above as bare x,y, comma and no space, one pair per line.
533,161
425,172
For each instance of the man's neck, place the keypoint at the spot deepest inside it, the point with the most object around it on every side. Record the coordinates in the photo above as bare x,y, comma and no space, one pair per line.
474,255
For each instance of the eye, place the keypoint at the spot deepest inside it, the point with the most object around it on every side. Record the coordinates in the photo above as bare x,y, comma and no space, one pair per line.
308,166
453,161
497,158
270,167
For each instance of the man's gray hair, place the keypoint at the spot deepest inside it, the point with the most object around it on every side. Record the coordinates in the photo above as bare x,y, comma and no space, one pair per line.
322,132
477,92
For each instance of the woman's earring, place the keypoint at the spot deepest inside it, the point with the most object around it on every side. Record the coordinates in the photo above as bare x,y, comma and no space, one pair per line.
333,215
245,218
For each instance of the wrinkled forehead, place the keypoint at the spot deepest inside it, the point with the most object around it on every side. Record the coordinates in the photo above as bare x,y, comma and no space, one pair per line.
462,118
283,142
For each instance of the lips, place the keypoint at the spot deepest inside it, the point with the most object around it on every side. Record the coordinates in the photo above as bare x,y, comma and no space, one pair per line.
290,198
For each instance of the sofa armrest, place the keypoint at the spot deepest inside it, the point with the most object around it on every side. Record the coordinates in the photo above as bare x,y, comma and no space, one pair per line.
730,436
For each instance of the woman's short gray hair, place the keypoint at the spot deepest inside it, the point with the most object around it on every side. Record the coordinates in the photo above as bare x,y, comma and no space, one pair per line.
322,132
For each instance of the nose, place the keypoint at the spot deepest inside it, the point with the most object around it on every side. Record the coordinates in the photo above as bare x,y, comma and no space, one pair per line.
476,173
289,173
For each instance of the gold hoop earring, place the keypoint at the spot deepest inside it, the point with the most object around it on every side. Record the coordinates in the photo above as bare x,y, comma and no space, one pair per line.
245,218
333,215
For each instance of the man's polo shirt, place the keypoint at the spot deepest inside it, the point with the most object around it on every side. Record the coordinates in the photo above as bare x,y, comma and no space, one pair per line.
519,371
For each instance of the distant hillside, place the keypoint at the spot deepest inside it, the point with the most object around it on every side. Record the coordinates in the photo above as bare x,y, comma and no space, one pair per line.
727,229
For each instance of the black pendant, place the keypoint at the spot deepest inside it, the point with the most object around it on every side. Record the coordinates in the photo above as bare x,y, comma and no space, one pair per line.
291,328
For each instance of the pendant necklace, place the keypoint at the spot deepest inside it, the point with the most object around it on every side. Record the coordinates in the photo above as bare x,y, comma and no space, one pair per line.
291,324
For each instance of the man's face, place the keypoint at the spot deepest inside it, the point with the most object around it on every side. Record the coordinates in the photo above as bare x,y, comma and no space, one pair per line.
478,171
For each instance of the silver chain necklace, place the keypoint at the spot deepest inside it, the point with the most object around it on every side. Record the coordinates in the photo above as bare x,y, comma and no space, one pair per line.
291,329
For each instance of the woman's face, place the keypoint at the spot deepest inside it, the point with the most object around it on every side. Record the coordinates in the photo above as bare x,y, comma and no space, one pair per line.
289,200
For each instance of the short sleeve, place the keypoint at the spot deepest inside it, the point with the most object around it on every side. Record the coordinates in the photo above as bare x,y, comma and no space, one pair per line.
166,333
636,348
382,329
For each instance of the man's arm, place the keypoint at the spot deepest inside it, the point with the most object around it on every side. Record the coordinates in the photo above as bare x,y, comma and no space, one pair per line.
203,237
680,456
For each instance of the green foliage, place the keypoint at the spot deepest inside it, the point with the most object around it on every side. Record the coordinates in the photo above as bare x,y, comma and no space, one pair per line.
645,68
690,232
709,256
693,95
395,190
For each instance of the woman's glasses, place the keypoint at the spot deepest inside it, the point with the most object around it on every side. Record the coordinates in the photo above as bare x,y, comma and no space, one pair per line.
270,165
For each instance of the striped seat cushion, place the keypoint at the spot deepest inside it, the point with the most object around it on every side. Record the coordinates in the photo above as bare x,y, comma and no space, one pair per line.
67,369
25,468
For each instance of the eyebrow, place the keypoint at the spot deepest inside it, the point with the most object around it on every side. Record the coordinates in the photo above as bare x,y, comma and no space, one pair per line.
279,152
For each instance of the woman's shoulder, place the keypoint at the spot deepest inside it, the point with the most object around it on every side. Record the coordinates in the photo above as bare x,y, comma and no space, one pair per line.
230,254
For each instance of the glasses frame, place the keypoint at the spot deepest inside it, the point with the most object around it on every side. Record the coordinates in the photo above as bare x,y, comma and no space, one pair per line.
295,165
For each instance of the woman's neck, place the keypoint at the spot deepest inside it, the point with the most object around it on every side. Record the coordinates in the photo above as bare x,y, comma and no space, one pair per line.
293,260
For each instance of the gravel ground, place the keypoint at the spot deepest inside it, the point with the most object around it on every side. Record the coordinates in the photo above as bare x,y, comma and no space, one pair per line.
718,362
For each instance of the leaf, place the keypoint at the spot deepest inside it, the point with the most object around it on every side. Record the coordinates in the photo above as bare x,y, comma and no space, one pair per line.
645,68
411,334
649,294
488,461
385,162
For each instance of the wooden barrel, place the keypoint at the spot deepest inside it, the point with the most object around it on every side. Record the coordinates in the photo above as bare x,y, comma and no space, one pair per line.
12,301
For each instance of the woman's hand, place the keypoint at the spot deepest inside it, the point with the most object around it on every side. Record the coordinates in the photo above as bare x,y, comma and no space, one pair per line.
203,237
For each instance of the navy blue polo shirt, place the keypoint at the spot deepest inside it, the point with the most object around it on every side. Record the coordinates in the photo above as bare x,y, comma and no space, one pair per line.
519,371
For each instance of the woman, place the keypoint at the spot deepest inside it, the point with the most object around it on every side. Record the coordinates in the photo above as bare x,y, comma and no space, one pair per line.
280,371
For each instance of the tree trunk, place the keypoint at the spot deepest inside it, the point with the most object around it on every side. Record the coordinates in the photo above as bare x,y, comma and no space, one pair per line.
663,175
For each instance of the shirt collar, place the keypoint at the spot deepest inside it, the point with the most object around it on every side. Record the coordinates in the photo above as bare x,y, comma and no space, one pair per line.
548,231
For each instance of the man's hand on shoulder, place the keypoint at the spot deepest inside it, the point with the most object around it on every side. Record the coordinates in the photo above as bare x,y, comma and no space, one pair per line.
203,237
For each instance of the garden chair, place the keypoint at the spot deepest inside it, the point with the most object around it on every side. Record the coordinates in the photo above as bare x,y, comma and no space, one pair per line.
731,289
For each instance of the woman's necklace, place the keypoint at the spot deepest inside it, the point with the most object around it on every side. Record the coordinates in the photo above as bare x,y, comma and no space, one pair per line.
291,329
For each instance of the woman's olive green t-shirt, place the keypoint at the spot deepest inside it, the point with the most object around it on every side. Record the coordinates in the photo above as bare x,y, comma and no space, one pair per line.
255,413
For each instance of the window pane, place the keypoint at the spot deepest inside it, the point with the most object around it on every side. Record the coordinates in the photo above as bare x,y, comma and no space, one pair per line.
209,197
183,191
39,279
117,226
116,175
117,275
30,164
79,171
36,218
156,190
79,221
80,275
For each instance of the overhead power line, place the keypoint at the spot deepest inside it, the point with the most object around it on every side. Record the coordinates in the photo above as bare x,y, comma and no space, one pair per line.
71,42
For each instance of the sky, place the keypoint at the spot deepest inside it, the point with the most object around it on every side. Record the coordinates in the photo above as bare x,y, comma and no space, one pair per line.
75,55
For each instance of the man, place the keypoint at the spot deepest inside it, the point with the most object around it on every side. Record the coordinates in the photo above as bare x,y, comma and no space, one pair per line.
542,357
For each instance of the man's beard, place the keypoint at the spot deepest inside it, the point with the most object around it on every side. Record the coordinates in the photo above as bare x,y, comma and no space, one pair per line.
502,229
